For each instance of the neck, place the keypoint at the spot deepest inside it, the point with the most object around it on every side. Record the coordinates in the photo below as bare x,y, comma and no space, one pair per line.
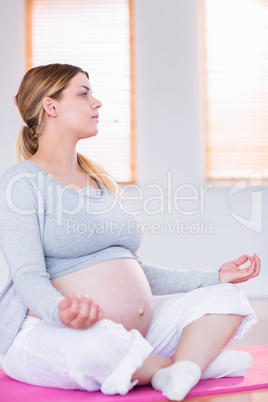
57,156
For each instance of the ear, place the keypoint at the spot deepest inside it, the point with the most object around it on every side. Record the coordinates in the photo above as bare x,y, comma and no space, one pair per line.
50,106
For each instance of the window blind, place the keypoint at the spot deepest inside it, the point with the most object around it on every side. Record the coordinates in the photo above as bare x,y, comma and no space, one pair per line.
236,87
95,35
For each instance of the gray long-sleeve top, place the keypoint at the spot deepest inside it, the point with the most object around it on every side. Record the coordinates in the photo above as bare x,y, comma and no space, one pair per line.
48,230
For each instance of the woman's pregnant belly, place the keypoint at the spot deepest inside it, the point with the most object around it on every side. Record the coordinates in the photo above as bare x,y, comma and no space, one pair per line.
119,286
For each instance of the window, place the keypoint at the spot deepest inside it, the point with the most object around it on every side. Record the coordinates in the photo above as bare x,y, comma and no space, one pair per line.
95,35
236,87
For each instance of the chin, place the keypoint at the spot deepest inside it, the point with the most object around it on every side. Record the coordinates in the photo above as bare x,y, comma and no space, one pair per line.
88,135
93,134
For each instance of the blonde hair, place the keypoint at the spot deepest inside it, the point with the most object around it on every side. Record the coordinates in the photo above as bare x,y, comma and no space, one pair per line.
49,81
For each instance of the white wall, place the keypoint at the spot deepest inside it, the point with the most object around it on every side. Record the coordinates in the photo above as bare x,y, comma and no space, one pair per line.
170,137
170,142
12,68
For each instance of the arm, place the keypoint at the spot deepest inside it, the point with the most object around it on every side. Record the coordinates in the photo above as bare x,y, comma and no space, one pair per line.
21,244
172,280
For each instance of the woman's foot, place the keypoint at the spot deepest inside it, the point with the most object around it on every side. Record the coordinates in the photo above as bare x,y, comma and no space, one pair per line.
176,380
230,363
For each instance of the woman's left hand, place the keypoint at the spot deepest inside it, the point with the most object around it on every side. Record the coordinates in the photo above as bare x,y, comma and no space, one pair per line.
230,271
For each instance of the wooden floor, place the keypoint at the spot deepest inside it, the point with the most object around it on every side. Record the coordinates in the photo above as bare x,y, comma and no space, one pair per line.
258,335
259,395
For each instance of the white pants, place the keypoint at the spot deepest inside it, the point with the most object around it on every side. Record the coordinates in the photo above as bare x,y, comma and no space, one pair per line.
105,356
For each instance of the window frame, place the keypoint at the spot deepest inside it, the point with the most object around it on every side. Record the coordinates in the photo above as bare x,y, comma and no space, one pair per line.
132,137
220,181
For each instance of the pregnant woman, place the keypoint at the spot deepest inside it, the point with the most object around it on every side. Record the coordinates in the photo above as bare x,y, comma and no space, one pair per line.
80,309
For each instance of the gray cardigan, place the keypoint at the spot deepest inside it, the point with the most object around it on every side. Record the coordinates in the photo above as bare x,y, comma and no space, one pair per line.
48,230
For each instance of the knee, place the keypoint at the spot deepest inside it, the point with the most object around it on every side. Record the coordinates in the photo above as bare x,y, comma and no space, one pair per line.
105,343
231,291
228,287
100,351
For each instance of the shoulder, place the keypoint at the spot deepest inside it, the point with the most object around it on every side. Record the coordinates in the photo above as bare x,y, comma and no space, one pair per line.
20,169
19,178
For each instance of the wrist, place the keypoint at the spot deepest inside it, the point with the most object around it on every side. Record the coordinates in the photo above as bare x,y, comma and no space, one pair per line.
223,276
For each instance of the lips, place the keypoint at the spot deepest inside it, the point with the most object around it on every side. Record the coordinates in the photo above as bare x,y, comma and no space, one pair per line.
95,117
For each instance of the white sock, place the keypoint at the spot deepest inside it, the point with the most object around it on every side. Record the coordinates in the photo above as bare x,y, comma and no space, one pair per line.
230,363
176,380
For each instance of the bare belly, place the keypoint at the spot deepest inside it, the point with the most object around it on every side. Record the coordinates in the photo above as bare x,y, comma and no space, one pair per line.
119,286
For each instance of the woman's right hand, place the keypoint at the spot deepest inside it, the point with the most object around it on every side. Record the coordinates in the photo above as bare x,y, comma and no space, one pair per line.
79,312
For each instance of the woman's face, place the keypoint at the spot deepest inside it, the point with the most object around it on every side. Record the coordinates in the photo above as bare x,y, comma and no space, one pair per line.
78,110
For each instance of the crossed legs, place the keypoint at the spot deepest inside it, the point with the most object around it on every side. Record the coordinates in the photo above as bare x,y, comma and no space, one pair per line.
201,342
106,355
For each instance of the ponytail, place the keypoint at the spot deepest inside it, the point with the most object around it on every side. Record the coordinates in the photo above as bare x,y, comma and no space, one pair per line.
27,143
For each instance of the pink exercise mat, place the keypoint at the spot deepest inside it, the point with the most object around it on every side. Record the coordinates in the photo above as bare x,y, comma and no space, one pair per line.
257,377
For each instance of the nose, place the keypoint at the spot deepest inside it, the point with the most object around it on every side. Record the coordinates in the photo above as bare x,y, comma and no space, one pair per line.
95,103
